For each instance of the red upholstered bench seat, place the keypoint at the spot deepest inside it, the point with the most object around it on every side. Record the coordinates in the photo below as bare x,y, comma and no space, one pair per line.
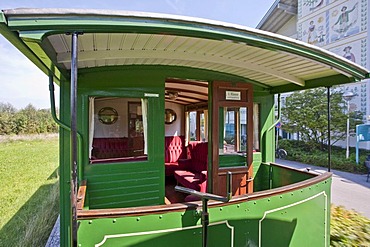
192,172
174,150
106,148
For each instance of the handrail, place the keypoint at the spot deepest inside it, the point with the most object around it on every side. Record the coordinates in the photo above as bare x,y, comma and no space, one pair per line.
63,125
274,124
205,197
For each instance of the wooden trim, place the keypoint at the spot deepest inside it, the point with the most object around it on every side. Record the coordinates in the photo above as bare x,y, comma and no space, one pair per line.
201,106
197,128
219,100
178,207
185,98
188,82
186,91
234,170
81,195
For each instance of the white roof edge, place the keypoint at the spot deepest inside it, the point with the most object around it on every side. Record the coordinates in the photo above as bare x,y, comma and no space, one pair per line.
268,14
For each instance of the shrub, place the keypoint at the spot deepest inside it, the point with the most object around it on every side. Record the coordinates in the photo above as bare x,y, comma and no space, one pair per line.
348,228
305,153
28,120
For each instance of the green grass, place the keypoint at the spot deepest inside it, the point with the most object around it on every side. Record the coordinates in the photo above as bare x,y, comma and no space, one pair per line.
29,190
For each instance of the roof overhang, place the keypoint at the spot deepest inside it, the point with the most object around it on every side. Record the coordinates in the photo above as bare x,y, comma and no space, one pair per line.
121,38
280,12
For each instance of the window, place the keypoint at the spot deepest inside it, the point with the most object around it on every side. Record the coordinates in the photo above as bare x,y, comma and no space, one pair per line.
234,130
197,122
117,129
256,127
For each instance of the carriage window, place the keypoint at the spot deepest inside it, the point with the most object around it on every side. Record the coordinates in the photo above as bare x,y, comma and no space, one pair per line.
192,125
233,124
121,140
198,125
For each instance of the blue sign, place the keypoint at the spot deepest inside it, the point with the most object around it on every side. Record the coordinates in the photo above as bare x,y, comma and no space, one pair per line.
363,135
363,132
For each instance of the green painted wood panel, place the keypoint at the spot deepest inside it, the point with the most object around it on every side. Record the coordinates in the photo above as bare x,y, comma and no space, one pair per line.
303,214
105,187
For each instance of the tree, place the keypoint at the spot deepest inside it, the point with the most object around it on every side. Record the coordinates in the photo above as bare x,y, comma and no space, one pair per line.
28,120
7,108
7,124
306,113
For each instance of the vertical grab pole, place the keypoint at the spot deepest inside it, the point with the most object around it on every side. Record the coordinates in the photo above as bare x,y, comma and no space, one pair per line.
329,129
205,197
205,214
74,61
205,222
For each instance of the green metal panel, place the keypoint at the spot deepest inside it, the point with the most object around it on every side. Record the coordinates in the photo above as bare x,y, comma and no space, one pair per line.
281,177
261,178
131,81
127,184
65,167
232,160
302,213
267,130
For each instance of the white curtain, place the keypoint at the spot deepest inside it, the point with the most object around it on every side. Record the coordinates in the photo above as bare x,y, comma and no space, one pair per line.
187,128
205,124
144,111
91,124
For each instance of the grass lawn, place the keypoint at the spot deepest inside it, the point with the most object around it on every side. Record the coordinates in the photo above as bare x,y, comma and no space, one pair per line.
30,197
29,190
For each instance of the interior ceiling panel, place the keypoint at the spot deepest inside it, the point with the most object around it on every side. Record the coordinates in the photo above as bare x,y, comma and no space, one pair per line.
111,49
186,91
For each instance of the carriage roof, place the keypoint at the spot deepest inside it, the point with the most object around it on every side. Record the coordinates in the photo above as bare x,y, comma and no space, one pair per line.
114,38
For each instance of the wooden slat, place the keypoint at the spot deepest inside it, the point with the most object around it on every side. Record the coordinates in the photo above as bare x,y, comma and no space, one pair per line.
81,195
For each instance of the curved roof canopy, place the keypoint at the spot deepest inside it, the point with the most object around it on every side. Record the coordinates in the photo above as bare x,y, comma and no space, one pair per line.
114,38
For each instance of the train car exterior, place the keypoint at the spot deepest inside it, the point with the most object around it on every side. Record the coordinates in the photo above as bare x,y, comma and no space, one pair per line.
150,101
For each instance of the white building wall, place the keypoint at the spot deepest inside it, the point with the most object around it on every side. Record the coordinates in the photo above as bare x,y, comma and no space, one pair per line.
340,26
290,28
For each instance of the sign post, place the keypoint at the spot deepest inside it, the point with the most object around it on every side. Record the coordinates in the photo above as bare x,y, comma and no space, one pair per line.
362,135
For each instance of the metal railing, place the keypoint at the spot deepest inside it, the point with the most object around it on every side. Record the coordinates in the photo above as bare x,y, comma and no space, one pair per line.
205,197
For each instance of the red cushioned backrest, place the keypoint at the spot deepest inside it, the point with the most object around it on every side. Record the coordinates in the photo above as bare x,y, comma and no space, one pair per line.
174,148
199,156
110,147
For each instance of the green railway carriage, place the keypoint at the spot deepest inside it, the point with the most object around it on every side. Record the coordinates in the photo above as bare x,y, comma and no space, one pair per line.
167,128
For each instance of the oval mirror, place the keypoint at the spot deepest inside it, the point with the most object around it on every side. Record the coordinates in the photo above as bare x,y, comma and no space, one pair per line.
108,115
169,116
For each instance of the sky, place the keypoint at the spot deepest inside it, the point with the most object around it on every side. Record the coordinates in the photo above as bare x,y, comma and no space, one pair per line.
22,83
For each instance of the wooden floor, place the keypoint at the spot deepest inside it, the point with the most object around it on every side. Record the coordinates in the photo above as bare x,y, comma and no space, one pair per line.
173,196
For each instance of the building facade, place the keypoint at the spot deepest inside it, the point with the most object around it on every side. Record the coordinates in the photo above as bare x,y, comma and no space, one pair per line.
340,26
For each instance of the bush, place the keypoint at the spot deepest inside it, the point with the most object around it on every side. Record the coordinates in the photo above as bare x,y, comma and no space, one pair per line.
28,120
348,228
305,153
